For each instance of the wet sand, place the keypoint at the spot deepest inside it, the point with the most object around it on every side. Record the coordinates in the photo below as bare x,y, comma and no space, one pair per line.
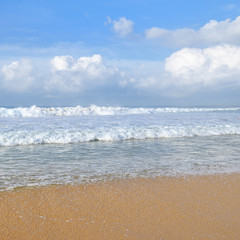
197,207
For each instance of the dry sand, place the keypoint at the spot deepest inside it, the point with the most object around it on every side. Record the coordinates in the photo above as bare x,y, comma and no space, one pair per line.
198,207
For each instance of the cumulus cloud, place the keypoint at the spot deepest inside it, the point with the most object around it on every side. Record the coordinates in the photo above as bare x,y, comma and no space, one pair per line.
69,74
189,70
184,71
213,32
122,27
217,65
17,76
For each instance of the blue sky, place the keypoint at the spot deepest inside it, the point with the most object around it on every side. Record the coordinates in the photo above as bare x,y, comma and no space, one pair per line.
149,53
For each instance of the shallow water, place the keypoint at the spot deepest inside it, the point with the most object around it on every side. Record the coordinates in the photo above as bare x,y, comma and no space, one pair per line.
41,146
37,165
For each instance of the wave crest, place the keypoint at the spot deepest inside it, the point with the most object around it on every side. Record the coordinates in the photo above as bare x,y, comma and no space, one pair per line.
25,137
35,111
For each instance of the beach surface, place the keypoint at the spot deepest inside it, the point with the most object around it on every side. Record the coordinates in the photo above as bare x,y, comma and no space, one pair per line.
189,207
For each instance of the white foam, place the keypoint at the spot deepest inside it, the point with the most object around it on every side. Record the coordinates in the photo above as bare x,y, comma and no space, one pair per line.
35,111
34,125
26,137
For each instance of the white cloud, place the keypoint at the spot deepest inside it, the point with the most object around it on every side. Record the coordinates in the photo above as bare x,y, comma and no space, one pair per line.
188,70
213,32
184,71
219,65
69,74
122,27
17,76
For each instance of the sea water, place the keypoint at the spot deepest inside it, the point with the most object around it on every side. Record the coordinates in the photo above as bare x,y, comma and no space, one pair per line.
71,145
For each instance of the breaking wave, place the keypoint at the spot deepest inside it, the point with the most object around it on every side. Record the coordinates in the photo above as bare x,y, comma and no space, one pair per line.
63,136
35,111
62,125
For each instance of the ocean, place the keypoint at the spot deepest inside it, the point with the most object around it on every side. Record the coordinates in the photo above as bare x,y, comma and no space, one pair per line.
71,145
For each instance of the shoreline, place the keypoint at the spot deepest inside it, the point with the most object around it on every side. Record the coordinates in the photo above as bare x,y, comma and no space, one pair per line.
118,180
185,207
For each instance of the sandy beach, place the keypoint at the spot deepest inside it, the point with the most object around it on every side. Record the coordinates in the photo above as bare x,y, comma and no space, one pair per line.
192,207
